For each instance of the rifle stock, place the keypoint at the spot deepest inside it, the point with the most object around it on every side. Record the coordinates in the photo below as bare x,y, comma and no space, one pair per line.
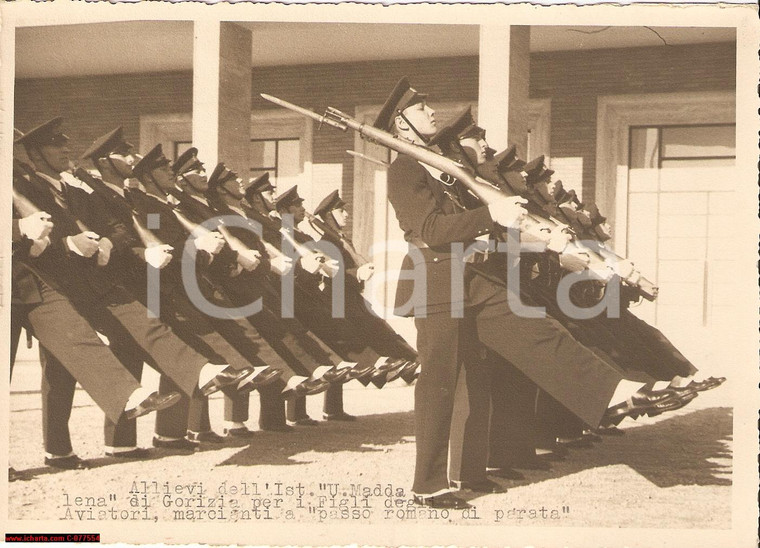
317,223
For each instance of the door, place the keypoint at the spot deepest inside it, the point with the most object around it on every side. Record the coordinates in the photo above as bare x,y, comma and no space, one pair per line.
681,192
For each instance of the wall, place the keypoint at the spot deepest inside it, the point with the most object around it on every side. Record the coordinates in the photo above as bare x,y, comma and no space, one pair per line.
574,79
94,105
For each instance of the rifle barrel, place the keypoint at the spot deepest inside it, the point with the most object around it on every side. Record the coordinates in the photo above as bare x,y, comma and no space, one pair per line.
367,158
303,111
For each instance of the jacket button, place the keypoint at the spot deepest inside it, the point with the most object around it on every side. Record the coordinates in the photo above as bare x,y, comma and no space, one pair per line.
435,259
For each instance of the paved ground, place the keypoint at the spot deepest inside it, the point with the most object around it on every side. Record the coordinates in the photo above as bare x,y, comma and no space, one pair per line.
670,472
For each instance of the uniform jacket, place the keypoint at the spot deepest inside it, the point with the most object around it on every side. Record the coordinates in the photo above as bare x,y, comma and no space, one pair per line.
170,231
431,220
77,277
115,221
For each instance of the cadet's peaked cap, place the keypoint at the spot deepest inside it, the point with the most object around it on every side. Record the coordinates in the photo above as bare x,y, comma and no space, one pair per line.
260,183
220,176
596,216
331,201
288,198
153,159
463,125
187,161
537,171
507,160
257,185
106,144
48,133
402,96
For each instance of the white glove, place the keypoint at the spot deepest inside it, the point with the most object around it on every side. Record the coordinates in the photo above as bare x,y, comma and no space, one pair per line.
159,256
38,246
535,232
249,259
365,272
574,260
330,267
626,270
211,242
36,226
508,211
104,251
558,239
84,244
312,262
281,265
623,268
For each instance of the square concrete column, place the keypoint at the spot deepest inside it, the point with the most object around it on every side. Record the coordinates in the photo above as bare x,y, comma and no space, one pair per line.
503,86
222,94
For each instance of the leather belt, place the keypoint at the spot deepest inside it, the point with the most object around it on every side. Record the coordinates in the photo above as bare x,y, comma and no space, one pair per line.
475,257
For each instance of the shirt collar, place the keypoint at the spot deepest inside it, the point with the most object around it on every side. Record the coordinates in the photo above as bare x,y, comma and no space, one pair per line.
237,210
57,183
116,188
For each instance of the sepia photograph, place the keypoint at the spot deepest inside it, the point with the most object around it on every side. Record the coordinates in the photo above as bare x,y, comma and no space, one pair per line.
366,275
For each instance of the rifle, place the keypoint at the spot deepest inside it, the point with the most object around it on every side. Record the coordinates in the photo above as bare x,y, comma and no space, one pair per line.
532,227
320,225
23,205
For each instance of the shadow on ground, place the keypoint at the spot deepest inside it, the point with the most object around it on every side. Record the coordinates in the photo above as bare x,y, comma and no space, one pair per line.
681,450
688,449
371,433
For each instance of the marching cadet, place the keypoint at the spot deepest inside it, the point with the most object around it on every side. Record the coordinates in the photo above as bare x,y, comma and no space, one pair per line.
63,286
432,220
330,218
635,347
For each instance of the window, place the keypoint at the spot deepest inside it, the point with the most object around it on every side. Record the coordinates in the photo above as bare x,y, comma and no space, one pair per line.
683,146
281,158
180,147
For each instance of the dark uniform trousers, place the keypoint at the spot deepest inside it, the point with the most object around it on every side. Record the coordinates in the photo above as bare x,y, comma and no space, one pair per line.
378,334
637,349
292,339
499,406
540,348
58,388
642,352
80,356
